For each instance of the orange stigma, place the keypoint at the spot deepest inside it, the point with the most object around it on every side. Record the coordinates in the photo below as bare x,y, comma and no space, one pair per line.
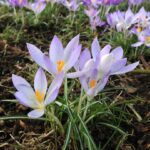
60,65
20,1
92,84
39,96
147,38
139,29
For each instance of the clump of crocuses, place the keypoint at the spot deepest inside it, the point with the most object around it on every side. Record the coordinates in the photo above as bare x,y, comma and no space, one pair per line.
93,68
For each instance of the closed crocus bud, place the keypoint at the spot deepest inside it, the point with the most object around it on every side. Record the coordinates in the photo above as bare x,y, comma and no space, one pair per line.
18,3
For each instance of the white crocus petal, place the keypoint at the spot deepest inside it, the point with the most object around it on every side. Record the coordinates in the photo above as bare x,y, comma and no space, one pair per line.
105,64
137,44
89,65
40,81
36,113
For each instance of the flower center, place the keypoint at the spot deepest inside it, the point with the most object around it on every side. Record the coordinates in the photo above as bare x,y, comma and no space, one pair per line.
139,29
39,96
147,39
92,84
60,65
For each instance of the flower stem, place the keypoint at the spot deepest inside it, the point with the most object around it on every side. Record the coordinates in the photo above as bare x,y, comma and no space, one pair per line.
71,114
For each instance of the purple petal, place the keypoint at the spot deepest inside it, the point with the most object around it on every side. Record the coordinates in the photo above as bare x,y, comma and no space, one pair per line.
36,55
102,84
36,113
56,51
137,44
118,65
51,67
73,58
105,50
40,81
84,83
51,97
56,83
24,100
70,47
127,68
117,53
95,48
87,68
84,57
17,80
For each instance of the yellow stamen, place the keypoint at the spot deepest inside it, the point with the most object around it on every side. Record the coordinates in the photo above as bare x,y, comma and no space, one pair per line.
92,84
147,38
60,65
39,96
139,29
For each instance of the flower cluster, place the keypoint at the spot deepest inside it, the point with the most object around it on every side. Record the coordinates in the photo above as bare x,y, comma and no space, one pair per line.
93,70
138,24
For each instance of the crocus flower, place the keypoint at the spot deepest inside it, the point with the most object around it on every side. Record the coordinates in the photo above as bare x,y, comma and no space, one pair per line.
121,20
72,5
142,19
39,97
106,64
92,3
111,2
60,59
94,18
135,2
37,7
19,3
90,80
144,38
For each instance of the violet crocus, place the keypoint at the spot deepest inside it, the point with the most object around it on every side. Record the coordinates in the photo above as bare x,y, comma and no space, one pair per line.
94,17
122,21
92,3
135,2
142,19
60,59
111,2
37,7
90,81
106,63
72,5
18,3
39,97
143,38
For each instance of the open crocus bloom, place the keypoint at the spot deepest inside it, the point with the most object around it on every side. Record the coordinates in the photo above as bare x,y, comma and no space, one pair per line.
120,20
105,64
60,59
39,97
